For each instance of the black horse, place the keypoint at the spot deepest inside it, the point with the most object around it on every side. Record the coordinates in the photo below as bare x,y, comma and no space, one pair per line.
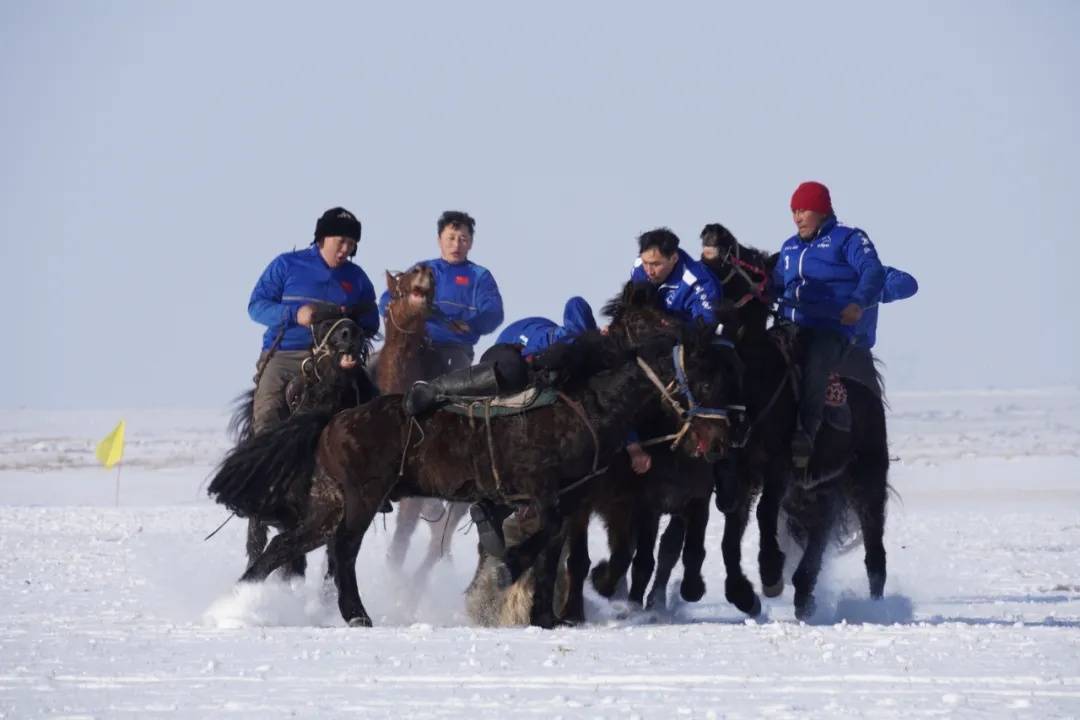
678,484
328,486
331,379
848,469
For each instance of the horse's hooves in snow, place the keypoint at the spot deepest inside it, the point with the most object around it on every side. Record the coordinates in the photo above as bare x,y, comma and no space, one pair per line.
805,610
692,588
361,621
774,590
755,609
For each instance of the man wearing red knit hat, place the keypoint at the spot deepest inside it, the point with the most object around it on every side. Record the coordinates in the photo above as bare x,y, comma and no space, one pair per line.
826,275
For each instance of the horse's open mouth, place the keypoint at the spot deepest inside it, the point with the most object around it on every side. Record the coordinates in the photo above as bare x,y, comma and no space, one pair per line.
347,361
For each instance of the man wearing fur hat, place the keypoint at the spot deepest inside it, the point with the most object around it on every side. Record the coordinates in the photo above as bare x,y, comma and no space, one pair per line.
294,286
825,278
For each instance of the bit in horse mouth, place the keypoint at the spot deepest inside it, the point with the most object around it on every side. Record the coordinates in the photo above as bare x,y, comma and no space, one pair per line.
347,361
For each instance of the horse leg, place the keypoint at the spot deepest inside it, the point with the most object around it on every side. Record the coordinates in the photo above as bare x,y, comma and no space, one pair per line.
256,539
285,547
577,567
362,500
648,525
442,534
770,557
408,514
692,587
607,574
544,571
671,543
806,575
870,506
737,588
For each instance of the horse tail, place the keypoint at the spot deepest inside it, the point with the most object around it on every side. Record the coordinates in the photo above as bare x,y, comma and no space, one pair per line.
269,475
241,424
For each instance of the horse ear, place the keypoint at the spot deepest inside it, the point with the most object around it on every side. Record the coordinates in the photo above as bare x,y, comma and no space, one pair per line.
391,282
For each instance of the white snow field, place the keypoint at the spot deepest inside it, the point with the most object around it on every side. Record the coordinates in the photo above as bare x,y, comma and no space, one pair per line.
126,612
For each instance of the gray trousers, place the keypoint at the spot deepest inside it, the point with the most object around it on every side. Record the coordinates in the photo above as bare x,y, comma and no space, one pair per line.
270,406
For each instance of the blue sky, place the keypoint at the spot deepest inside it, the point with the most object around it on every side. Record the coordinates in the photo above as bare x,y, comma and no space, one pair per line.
158,155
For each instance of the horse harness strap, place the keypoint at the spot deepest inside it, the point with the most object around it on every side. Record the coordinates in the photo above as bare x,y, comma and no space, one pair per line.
596,469
740,267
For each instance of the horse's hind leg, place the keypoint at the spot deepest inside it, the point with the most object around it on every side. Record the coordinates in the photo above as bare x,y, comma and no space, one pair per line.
869,500
671,543
284,548
405,520
648,525
545,570
805,578
442,534
692,587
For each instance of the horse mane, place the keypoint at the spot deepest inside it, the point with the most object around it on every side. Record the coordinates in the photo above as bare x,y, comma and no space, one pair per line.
633,295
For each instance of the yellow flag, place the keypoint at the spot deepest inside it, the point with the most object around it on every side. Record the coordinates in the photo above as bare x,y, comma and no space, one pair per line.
111,449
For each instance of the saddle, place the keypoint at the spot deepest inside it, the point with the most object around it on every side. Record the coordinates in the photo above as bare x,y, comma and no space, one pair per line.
529,399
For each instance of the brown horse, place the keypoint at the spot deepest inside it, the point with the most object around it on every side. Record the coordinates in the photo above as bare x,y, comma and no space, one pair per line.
373,452
400,363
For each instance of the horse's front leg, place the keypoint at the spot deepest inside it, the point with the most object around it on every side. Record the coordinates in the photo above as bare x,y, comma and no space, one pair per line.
671,544
737,588
577,566
362,500
692,587
405,520
770,557
647,527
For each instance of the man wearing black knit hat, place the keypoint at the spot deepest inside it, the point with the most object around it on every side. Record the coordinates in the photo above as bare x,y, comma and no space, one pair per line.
285,300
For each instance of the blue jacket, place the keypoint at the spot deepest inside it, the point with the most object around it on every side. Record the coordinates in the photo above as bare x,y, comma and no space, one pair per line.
817,278
690,291
297,278
898,286
463,291
536,334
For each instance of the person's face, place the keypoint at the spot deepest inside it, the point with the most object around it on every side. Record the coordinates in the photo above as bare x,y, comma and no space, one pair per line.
335,250
656,266
455,242
808,222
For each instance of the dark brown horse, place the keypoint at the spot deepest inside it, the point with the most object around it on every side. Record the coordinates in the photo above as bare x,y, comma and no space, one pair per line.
848,469
365,455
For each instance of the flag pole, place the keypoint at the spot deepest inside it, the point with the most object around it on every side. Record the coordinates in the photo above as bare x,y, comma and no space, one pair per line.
117,496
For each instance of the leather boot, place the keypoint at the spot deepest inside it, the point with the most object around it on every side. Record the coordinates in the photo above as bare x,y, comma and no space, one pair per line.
476,381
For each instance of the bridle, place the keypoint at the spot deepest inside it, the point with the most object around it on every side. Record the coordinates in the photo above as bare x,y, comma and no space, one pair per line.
738,266
320,350
681,386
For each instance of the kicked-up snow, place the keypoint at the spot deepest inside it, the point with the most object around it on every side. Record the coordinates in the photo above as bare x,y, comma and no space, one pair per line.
127,612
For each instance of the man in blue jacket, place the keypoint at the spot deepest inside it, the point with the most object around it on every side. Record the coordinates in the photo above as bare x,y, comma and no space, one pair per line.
689,291
858,363
290,291
468,305
687,287
533,335
826,276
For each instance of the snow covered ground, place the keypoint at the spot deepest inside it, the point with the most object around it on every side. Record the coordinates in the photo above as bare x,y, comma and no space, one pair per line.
127,612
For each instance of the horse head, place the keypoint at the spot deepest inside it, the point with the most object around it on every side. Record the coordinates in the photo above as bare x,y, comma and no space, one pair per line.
412,296
743,271
637,313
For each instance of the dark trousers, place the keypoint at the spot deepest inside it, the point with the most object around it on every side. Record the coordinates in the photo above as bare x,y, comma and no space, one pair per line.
511,371
440,359
822,352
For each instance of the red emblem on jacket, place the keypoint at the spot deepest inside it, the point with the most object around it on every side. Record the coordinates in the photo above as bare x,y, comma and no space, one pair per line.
346,286
461,279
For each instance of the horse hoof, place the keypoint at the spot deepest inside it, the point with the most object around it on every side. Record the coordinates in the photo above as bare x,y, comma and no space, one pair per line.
755,609
692,589
805,610
774,590
360,621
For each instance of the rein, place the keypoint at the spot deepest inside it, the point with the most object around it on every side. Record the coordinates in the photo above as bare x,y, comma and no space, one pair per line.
692,409
740,267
